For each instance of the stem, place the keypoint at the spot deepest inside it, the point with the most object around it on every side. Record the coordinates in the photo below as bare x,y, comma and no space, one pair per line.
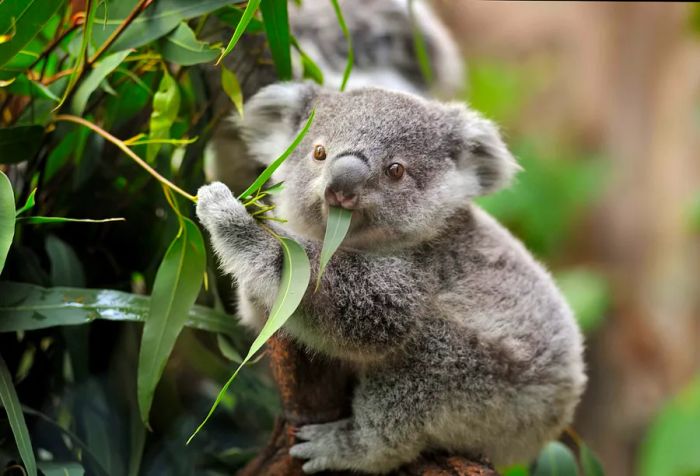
136,11
119,143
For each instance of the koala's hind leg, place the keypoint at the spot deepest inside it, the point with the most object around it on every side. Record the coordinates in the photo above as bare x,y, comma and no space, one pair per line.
382,435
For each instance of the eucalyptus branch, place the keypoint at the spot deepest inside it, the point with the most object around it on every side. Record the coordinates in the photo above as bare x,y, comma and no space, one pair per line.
136,11
121,145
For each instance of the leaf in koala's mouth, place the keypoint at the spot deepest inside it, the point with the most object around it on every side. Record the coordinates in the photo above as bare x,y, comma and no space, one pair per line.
336,228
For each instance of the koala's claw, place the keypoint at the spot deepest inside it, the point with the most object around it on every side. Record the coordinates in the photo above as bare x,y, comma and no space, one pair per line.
320,448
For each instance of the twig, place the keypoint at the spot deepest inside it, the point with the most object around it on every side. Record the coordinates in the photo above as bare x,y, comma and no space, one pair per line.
136,11
121,145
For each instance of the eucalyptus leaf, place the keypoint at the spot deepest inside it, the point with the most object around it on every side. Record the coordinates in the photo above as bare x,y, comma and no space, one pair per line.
66,269
44,220
309,66
26,307
166,104
50,468
10,401
555,460
7,217
20,21
270,169
232,88
23,86
419,45
672,443
589,462
240,28
296,272
276,21
28,205
337,227
177,284
19,143
101,70
159,19
348,38
182,47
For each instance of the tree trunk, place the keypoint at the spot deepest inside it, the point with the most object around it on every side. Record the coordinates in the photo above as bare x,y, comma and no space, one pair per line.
319,390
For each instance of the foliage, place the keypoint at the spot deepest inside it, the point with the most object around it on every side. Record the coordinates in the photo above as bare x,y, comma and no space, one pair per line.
104,113
672,445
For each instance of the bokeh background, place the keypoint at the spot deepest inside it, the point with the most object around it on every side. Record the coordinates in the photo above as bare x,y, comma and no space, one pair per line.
601,103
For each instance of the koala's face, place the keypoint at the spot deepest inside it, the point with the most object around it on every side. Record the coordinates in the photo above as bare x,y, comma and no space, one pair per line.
404,165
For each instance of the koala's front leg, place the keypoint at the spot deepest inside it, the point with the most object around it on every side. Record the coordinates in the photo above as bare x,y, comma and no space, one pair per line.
244,249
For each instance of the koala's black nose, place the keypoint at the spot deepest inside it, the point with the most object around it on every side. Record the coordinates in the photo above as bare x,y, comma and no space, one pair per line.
348,174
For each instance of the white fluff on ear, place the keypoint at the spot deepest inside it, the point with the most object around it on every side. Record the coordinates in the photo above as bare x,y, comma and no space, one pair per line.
270,118
486,157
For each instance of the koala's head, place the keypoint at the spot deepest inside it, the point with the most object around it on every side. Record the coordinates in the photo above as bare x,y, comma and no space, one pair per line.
403,164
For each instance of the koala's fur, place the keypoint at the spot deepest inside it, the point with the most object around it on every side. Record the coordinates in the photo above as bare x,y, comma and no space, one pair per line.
384,56
460,338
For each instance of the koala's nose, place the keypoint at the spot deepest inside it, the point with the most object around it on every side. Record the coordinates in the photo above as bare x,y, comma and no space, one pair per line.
348,174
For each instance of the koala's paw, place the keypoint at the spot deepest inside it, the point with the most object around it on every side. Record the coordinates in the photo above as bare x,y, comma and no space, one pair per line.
217,205
328,446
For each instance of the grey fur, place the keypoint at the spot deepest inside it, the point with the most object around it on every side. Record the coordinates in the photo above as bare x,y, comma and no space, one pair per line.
460,338
382,36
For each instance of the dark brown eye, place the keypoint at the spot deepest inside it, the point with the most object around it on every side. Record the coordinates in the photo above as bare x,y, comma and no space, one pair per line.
319,152
395,171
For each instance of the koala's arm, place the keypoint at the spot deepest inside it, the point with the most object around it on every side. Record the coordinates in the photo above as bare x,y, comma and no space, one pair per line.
365,304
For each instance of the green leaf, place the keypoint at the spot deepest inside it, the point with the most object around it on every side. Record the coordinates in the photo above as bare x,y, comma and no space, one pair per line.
7,218
166,105
348,39
672,443
19,143
337,227
419,45
81,58
232,88
61,469
26,307
159,19
86,451
555,460
28,205
9,400
43,220
589,462
517,470
310,68
20,21
175,290
101,70
276,21
66,269
232,16
23,86
270,169
240,28
182,47
296,272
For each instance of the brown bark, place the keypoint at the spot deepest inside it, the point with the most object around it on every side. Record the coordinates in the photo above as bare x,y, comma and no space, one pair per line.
316,390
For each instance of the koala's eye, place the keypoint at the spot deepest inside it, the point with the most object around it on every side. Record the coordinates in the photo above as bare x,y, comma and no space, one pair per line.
395,171
319,152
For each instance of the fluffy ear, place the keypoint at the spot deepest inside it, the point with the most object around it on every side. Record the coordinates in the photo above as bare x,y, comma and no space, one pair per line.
273,116
483,155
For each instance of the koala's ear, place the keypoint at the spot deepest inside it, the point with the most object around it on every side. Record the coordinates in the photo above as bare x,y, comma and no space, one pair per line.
272,118
483,156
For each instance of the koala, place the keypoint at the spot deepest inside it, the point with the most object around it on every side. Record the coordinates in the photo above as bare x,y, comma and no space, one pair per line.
384,55
459,337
